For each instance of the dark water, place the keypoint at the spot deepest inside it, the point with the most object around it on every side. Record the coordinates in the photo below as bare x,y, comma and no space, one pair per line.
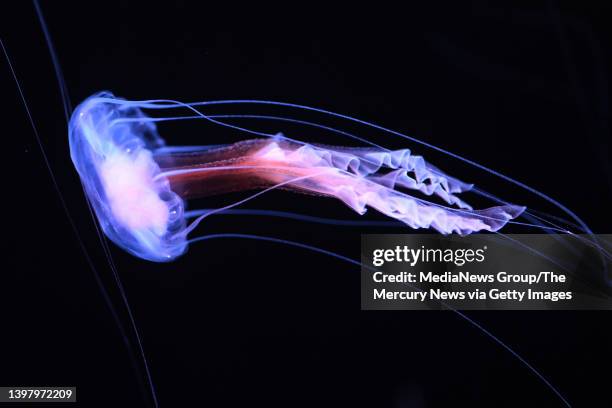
520,89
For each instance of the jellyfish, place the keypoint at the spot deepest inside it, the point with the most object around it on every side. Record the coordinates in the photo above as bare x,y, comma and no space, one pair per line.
138,186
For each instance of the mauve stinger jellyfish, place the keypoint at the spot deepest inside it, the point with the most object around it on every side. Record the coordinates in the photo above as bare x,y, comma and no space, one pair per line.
138,186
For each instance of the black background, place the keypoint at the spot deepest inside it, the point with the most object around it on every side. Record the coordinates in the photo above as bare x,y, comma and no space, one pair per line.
521,89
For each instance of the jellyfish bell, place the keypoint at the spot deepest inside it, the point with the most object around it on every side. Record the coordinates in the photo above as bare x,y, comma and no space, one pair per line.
135,207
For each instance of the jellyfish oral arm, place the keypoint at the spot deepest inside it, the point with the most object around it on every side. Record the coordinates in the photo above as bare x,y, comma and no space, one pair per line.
353,176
